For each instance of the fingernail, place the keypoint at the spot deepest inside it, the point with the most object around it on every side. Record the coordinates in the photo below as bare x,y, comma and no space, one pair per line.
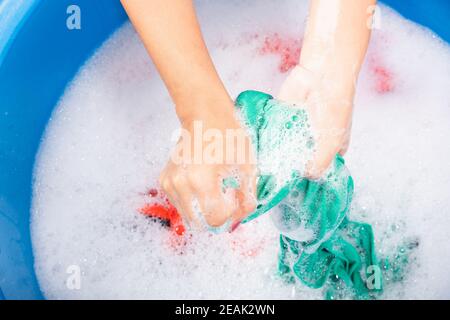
235,225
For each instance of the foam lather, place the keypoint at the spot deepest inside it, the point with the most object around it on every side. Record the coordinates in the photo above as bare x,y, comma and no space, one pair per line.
319,245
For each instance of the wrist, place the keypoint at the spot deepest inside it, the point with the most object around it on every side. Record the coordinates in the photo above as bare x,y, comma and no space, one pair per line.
339,80
338,69
204,107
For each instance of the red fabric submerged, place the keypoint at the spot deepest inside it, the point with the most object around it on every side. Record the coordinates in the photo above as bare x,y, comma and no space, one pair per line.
164,211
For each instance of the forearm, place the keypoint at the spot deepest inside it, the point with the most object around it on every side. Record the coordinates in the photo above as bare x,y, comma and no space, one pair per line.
172,36
336,40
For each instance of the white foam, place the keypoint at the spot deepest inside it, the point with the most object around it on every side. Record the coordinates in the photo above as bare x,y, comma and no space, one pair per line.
110,136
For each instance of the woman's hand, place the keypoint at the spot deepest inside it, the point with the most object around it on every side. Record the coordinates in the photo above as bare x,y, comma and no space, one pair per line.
335,43
330,113
170,31
213,146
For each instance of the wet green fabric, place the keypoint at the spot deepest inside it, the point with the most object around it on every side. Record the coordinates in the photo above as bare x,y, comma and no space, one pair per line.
319,245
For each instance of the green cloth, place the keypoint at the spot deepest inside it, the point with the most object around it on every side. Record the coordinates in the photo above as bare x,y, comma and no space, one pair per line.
319,245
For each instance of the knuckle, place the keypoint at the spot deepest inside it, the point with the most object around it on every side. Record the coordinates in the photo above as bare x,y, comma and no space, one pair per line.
218,213
320,164
162,177
215,220
178,180
196,181
317,172
164,183
249,207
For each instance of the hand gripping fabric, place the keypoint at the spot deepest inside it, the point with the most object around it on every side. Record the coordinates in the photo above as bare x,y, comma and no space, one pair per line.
319,245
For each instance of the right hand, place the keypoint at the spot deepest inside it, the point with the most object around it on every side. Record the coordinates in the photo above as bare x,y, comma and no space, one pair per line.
329,103
187,178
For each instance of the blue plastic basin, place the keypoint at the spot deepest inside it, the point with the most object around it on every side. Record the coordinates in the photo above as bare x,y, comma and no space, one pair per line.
39,55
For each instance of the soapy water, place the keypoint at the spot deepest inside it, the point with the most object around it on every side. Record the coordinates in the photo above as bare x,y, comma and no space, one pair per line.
109,138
